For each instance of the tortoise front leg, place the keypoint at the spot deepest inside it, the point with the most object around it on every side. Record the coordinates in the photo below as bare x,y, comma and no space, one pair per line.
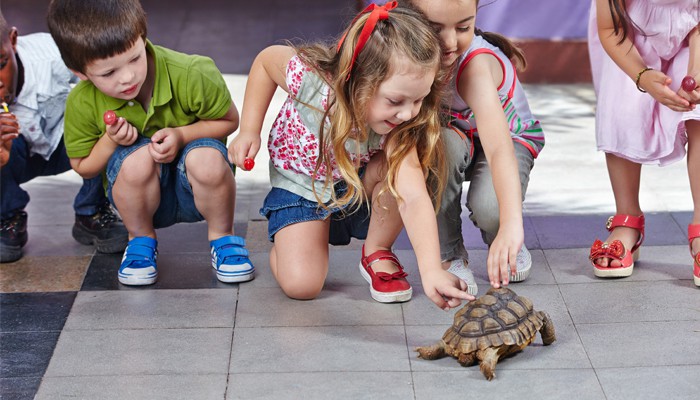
488,358
432,352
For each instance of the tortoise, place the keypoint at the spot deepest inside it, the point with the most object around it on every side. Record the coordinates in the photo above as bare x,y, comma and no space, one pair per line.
495,325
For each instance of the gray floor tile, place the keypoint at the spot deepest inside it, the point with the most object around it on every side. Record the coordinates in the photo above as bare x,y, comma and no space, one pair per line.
321,386
580,384
336,306
656,382
319,349
141,352
642,344
621,301
153,309
146,387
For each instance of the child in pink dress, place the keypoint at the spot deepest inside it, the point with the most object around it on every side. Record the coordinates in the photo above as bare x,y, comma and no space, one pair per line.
640,51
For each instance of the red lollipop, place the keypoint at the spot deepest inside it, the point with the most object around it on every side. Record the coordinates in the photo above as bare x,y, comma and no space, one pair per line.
110,117
248,164
689,84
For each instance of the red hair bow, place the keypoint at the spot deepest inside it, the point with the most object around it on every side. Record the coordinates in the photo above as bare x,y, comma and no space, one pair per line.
376,13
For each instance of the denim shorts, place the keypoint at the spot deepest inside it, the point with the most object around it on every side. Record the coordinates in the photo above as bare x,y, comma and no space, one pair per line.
176,198
282,208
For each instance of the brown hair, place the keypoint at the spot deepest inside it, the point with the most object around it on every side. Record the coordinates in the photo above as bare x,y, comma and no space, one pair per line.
85,31
404,34
513,52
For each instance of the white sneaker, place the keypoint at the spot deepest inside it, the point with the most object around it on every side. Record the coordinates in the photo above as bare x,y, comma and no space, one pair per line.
523,265
460,268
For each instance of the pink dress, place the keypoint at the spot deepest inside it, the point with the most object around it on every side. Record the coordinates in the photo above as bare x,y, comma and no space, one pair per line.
631,124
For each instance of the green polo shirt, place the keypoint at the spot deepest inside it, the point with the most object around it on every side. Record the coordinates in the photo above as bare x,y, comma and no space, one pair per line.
188,88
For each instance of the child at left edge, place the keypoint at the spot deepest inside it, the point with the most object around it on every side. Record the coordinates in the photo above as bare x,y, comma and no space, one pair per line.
165,156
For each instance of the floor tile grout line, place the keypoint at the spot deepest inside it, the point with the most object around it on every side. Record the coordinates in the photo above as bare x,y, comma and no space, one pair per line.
233,336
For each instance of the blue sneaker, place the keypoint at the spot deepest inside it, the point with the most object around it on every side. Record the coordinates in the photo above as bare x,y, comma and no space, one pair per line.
229,258
139,262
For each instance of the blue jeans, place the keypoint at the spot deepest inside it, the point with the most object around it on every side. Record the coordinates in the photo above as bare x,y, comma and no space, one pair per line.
176,197
283,208
464,165
24,167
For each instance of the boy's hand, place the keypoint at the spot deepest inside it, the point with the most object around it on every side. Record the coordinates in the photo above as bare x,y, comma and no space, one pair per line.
503,253
165,144
445,289
9,130
245,145
122,132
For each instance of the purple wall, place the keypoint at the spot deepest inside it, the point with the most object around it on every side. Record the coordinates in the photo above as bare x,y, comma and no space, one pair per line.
533,19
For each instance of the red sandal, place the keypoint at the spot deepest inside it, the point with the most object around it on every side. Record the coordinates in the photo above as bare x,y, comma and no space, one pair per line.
694,232
385,287
616,250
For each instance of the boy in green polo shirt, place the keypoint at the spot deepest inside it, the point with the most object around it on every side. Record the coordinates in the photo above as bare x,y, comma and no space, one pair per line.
164,155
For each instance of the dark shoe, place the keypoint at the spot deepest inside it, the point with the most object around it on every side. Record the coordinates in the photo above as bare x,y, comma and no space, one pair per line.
104,230
13,237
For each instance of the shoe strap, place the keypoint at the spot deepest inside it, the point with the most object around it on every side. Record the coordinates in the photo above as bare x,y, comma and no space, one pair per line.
141,248
228,240
628,221
693,232
380,255
230,247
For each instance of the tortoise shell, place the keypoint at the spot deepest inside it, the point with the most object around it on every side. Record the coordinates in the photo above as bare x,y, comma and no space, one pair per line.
498,318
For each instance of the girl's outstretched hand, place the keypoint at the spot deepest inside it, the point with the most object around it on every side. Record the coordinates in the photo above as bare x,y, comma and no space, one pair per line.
445,289
244,146
503,253
656,83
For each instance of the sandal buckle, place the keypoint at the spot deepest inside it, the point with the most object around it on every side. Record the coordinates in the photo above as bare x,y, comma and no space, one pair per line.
608,224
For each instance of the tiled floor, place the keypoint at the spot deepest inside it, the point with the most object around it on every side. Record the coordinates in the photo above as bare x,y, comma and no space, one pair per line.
68,329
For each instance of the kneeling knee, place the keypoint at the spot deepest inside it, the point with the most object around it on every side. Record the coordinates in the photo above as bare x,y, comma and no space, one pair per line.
301,290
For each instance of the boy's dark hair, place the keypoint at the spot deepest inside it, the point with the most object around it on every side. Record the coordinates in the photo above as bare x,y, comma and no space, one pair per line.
85,31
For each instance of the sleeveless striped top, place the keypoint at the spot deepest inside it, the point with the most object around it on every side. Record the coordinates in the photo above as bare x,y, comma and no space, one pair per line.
524,128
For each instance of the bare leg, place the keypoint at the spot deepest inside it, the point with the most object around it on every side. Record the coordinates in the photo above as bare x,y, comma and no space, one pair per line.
693,128
624,177
214,189
385,222
301,265
136,193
